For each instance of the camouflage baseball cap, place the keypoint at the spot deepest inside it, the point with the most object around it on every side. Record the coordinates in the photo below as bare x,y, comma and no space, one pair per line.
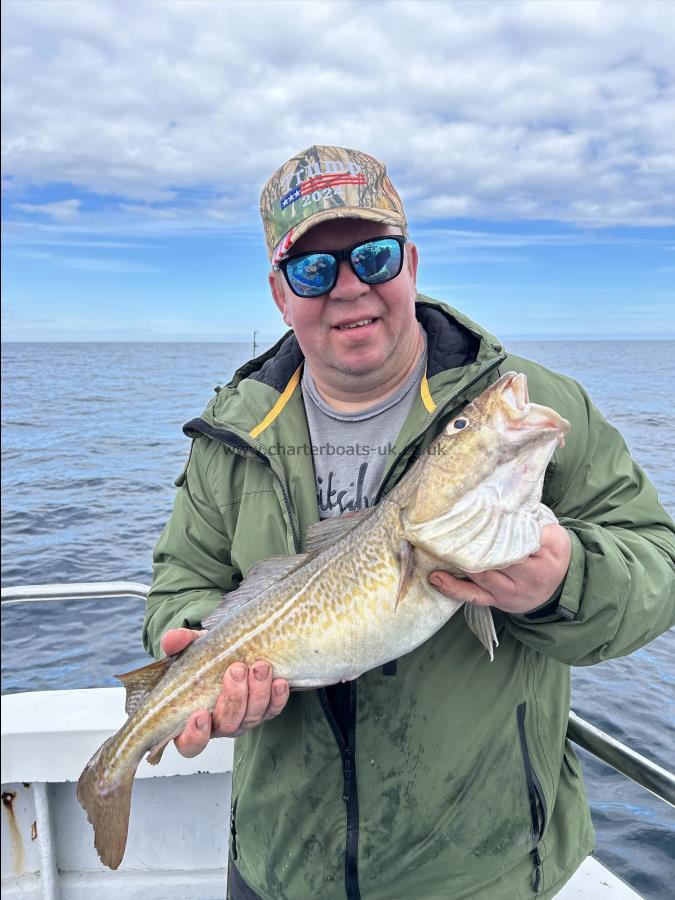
323,183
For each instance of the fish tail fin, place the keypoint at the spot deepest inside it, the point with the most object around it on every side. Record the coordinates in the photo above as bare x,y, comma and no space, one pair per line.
107,804
480,621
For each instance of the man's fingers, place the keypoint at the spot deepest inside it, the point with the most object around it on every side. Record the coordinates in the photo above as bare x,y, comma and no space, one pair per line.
519,588
247,698
259,693
279,698
494,582
177,639
230,707
195,735
243,705
461,590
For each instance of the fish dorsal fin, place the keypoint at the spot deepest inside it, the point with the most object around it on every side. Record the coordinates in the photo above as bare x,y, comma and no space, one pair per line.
324,534
257,579
140,682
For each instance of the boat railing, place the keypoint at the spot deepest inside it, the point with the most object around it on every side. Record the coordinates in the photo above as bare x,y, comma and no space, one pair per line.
628,762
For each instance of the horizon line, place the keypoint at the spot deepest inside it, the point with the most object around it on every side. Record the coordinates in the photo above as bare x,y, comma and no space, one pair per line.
524,338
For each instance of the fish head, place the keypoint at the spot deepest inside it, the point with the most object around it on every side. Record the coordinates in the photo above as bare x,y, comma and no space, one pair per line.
496,449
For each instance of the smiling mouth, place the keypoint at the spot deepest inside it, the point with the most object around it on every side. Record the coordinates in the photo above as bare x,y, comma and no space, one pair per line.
352,325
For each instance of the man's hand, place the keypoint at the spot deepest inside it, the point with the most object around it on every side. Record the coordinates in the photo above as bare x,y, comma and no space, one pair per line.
516,589
248,697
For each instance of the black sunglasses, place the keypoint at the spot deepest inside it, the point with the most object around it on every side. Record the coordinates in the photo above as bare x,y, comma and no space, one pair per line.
373,262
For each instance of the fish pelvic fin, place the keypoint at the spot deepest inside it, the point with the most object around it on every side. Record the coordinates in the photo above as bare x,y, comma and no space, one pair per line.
140,682
407,563
107,805
480,621
155,754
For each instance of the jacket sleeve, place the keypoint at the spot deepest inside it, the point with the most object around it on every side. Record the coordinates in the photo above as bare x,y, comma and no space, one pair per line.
192,568
619,592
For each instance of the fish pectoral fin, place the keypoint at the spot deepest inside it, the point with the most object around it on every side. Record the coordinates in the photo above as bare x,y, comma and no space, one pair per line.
323,535
480,621
406,558
139,682
257,579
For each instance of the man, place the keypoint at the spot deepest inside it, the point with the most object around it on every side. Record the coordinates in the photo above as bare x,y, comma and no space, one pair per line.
442,774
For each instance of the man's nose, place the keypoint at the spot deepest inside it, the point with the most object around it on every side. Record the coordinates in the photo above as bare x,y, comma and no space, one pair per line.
348,286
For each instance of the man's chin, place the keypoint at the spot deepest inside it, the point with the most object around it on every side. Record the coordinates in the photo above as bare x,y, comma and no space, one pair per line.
363,369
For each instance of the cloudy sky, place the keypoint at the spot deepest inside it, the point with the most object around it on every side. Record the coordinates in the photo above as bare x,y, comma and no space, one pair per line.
532,143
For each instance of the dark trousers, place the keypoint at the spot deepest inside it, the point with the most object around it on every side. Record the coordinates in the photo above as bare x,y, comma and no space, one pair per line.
237,889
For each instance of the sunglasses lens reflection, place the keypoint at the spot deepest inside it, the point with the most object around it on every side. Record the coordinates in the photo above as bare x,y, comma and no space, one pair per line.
312,275
377,261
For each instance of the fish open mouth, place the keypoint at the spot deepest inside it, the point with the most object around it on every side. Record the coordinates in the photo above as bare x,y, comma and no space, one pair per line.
520,414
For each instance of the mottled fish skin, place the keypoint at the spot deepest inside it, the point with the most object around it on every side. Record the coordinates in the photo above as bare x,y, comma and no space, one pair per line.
470,503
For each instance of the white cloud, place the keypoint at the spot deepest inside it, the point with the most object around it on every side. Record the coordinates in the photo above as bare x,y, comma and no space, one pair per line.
61,210
441,237
556,110
88,263
139,209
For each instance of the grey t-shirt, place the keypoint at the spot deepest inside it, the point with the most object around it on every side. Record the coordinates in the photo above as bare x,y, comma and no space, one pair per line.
350,450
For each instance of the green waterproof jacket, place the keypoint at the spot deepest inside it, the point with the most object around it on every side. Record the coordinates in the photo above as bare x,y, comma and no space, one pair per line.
457,780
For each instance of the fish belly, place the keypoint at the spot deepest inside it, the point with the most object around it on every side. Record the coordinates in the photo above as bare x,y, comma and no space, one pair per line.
344,621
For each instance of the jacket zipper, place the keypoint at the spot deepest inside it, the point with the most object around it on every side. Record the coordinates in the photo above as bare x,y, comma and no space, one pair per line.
535,796
439,412
349,793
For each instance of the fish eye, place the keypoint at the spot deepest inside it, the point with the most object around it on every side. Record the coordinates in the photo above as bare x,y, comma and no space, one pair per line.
457,424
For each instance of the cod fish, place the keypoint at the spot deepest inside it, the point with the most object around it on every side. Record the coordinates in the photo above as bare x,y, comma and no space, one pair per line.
358,597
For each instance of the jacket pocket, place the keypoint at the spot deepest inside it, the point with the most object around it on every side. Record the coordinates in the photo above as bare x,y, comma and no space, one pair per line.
535,796
233,829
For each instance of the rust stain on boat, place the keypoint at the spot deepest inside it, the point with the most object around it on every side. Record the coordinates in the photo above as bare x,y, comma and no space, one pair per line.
17,852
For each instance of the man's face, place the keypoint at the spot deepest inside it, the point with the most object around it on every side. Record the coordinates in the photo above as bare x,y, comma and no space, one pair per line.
372,351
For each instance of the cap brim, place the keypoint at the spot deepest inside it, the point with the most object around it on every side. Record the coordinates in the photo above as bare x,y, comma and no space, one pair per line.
385,216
